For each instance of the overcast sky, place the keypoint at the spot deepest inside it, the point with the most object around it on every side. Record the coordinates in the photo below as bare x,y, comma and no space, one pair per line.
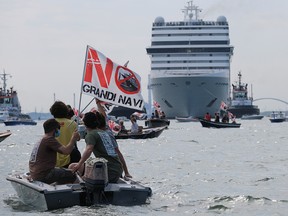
43,43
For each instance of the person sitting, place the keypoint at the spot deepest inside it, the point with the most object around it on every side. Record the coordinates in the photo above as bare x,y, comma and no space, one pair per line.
225,118
163,116
42,161
134,127
59,110
156,114
123,130
217,119
101,144
207,116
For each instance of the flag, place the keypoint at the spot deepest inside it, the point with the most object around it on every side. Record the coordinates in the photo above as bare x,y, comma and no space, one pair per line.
157,106
223,106
110,82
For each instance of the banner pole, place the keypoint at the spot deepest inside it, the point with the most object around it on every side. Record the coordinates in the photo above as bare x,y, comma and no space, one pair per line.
80,98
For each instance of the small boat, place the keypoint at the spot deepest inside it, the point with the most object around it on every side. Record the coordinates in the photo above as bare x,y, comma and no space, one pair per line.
89,191
186,119
22,119
252,117
145,134
209,124
157,122
4,135
276,117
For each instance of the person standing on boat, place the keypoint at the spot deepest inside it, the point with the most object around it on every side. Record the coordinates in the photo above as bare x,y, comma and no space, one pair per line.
217,118
43,157
59,110
101,144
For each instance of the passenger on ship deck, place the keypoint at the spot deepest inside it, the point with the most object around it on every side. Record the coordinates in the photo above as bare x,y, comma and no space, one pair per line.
59,110
207,116
43,157
217,118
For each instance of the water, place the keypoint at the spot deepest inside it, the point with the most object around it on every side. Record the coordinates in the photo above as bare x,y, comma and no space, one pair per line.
192,170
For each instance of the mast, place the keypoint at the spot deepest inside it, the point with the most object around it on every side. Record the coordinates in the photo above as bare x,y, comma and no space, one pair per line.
190,10
4,78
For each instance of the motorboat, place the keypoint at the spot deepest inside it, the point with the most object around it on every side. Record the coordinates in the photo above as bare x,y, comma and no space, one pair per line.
21,119
276,117
209,124
89,191
157,122
4,135
186,119
144,134
252,117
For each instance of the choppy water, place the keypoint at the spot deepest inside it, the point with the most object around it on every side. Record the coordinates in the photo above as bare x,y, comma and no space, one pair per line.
191,170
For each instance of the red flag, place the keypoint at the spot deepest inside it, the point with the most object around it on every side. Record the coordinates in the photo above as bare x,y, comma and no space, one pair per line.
223,106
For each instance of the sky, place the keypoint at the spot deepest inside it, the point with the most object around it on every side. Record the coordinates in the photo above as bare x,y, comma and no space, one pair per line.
43,44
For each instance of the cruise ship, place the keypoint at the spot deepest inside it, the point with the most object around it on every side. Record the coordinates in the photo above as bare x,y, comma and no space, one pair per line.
190,64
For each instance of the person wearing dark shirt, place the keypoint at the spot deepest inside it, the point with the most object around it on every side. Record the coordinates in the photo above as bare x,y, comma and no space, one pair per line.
43,157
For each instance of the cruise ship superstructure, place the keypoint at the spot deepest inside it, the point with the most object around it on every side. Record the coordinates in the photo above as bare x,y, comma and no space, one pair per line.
190,64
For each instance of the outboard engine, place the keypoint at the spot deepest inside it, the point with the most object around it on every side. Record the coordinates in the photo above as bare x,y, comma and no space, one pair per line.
95,179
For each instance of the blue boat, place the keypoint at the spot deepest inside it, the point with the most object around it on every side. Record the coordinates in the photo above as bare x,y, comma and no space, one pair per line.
21,119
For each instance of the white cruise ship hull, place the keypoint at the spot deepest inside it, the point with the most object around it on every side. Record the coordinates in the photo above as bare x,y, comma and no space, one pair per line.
190,96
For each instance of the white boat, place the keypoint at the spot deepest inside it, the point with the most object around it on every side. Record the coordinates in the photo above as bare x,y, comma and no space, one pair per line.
186,119
252,117
88,191
190,64
276,117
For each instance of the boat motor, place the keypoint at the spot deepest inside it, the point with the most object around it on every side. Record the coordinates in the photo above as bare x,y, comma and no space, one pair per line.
95,179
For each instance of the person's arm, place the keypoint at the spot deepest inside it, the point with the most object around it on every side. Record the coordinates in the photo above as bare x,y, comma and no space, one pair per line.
68,149
86,154
122,160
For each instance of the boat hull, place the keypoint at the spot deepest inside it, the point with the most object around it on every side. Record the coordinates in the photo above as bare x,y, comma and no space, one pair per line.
145,134
209,124
49,197
16,122
277,120
190,96
240,111
252,117
157,122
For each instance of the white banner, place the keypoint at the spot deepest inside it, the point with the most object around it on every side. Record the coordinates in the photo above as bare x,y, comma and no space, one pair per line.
110,82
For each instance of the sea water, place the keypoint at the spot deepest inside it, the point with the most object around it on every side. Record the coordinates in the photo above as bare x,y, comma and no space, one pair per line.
192,170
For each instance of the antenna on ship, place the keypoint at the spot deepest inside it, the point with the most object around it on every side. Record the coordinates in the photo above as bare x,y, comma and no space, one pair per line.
190,10
3,77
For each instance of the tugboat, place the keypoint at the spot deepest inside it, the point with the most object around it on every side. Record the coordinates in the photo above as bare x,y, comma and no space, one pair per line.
10,109
241,104
9,102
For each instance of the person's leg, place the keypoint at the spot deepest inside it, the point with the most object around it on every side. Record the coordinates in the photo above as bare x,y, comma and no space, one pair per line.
60,175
